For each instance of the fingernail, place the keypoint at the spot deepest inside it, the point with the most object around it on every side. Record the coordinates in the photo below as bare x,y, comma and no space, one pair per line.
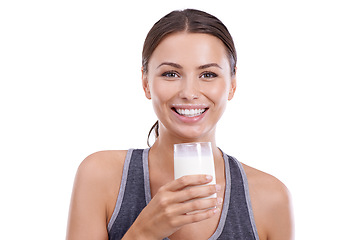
219,200
216,210
208,177
217,187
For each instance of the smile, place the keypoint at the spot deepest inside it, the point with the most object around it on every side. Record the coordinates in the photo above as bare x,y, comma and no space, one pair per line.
189,112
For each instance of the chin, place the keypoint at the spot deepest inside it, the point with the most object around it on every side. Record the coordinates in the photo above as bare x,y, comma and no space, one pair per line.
191,135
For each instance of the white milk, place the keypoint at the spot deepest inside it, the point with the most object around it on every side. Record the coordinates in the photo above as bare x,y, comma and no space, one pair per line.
193,159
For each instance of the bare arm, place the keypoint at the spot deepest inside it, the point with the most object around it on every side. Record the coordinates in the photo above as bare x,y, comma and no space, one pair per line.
94,194
271,204
281,226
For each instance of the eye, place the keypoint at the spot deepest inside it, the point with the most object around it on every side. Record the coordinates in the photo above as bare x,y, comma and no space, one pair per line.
170,74
208,75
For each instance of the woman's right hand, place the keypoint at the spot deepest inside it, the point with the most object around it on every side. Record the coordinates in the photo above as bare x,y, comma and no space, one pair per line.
169,209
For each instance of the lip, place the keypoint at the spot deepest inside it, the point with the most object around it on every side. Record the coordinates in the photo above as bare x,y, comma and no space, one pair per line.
189,106
185,119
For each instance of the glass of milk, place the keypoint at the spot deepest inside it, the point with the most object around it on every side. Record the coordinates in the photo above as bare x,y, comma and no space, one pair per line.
194,158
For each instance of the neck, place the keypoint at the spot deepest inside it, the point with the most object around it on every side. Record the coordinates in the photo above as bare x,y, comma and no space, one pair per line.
163,149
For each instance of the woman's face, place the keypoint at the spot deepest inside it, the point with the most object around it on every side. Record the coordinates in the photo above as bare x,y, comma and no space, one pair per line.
189,81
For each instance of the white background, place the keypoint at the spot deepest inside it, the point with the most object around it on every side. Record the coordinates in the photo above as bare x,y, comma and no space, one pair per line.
71,85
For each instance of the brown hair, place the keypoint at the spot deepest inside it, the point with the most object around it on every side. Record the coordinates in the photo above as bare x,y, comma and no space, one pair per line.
192,21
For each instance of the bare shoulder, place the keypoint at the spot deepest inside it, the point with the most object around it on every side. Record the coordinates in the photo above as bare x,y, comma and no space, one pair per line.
271,202
102,165
266,184
101,172
94,194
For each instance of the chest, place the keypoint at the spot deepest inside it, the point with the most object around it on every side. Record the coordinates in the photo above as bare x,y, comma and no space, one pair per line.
202,230
197,231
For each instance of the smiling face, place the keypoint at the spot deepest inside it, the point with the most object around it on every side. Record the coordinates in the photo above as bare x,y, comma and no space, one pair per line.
189,81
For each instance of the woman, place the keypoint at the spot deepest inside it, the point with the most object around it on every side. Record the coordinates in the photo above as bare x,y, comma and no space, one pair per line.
189,70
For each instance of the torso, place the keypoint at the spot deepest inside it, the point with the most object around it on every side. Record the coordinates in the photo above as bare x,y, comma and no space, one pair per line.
205,228
257,189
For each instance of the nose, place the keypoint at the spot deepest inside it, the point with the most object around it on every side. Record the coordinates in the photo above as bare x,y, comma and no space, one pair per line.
189,89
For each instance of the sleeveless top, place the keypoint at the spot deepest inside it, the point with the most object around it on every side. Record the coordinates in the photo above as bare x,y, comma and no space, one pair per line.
236,220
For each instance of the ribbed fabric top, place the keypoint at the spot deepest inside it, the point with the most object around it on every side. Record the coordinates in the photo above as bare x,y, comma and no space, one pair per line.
236,220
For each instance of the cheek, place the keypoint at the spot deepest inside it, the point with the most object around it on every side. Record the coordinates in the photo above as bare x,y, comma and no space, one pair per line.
218,93
161,91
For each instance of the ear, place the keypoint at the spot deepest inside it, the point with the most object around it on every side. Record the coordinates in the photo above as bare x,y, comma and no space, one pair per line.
232,86
145,84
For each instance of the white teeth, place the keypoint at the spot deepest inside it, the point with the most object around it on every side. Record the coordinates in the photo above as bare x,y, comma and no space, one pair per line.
189,112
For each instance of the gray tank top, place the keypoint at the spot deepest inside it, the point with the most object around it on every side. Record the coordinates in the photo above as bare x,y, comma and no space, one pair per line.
236,220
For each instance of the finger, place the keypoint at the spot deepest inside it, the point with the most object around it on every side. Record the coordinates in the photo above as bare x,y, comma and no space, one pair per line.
188,180
194,192
196,217
195,206
190,193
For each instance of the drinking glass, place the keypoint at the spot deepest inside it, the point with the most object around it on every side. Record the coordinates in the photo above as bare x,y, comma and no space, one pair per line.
194,158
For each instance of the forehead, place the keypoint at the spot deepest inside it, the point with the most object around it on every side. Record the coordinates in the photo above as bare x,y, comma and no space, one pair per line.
190,49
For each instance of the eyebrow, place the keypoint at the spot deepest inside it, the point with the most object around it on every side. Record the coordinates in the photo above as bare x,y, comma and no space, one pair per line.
210,65
175,65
